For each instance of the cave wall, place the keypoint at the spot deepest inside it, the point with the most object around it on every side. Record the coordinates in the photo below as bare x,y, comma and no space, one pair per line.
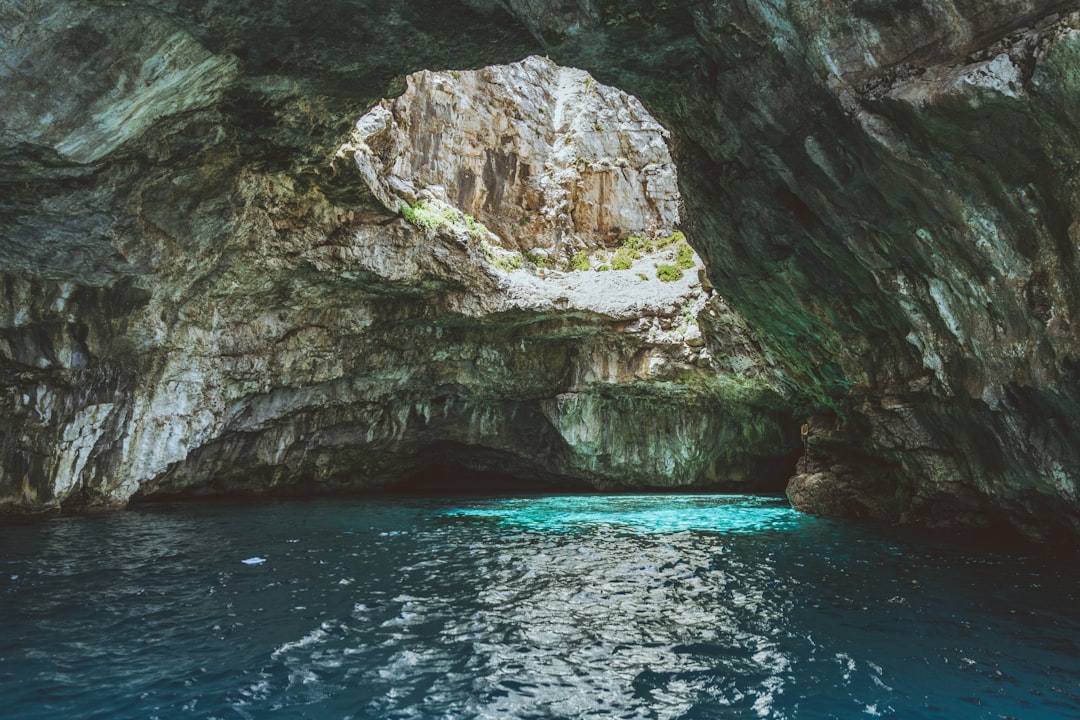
885,193
214,301
896,212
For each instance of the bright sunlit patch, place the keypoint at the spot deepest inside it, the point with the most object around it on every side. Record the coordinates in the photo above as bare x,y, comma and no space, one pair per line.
638,513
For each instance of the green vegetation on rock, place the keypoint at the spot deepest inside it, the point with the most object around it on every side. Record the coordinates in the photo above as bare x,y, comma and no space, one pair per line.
638,244
540,261
427,218
501,258
684,256
633,248
668,273
675,237
624,258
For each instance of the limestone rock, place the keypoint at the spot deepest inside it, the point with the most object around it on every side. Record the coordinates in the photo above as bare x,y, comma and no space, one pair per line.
543,155
287,343
120,72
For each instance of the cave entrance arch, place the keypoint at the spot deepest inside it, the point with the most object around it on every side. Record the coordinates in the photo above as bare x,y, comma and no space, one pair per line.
546,208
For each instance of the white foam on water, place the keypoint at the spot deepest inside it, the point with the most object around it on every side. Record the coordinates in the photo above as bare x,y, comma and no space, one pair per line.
315,636
848,663
770,658
763,705
405,618
400,666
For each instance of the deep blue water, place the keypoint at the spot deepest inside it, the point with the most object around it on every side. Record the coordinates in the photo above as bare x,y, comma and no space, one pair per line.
542,607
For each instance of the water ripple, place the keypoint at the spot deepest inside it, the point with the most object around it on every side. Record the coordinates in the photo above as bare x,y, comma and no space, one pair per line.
566,607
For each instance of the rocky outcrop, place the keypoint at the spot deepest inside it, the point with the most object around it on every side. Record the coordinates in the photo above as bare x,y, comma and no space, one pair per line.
884,193
545,156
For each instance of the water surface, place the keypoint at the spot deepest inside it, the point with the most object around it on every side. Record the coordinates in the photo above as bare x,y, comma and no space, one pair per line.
538,607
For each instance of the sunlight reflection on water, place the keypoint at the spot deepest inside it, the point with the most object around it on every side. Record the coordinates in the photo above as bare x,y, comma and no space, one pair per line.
647,606
639,513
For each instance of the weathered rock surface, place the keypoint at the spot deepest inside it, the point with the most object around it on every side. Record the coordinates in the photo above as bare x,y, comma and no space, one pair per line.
886,193
81,80
543,155
906,205
280,341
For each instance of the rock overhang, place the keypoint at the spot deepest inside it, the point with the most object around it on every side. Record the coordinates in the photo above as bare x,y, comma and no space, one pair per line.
289,342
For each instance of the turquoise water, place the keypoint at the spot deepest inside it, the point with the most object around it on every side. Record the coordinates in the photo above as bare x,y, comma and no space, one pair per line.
538,607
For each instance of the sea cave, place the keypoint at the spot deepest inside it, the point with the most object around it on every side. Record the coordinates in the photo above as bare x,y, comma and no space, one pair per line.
539,358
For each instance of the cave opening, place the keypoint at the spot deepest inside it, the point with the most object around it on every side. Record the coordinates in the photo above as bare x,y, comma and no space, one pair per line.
454,478
585,317
457,478
510,278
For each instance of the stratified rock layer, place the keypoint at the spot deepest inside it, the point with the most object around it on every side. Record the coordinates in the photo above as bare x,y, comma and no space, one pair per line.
885,192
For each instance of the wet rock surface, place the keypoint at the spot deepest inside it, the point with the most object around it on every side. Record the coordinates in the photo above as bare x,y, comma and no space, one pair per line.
883,194
946,327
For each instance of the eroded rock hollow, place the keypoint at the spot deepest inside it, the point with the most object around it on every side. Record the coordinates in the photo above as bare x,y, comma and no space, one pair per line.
331,347
215,279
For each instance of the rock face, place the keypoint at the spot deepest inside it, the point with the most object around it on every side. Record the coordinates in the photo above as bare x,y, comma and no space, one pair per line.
913,233
134,70
544,155
323,346
885,194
